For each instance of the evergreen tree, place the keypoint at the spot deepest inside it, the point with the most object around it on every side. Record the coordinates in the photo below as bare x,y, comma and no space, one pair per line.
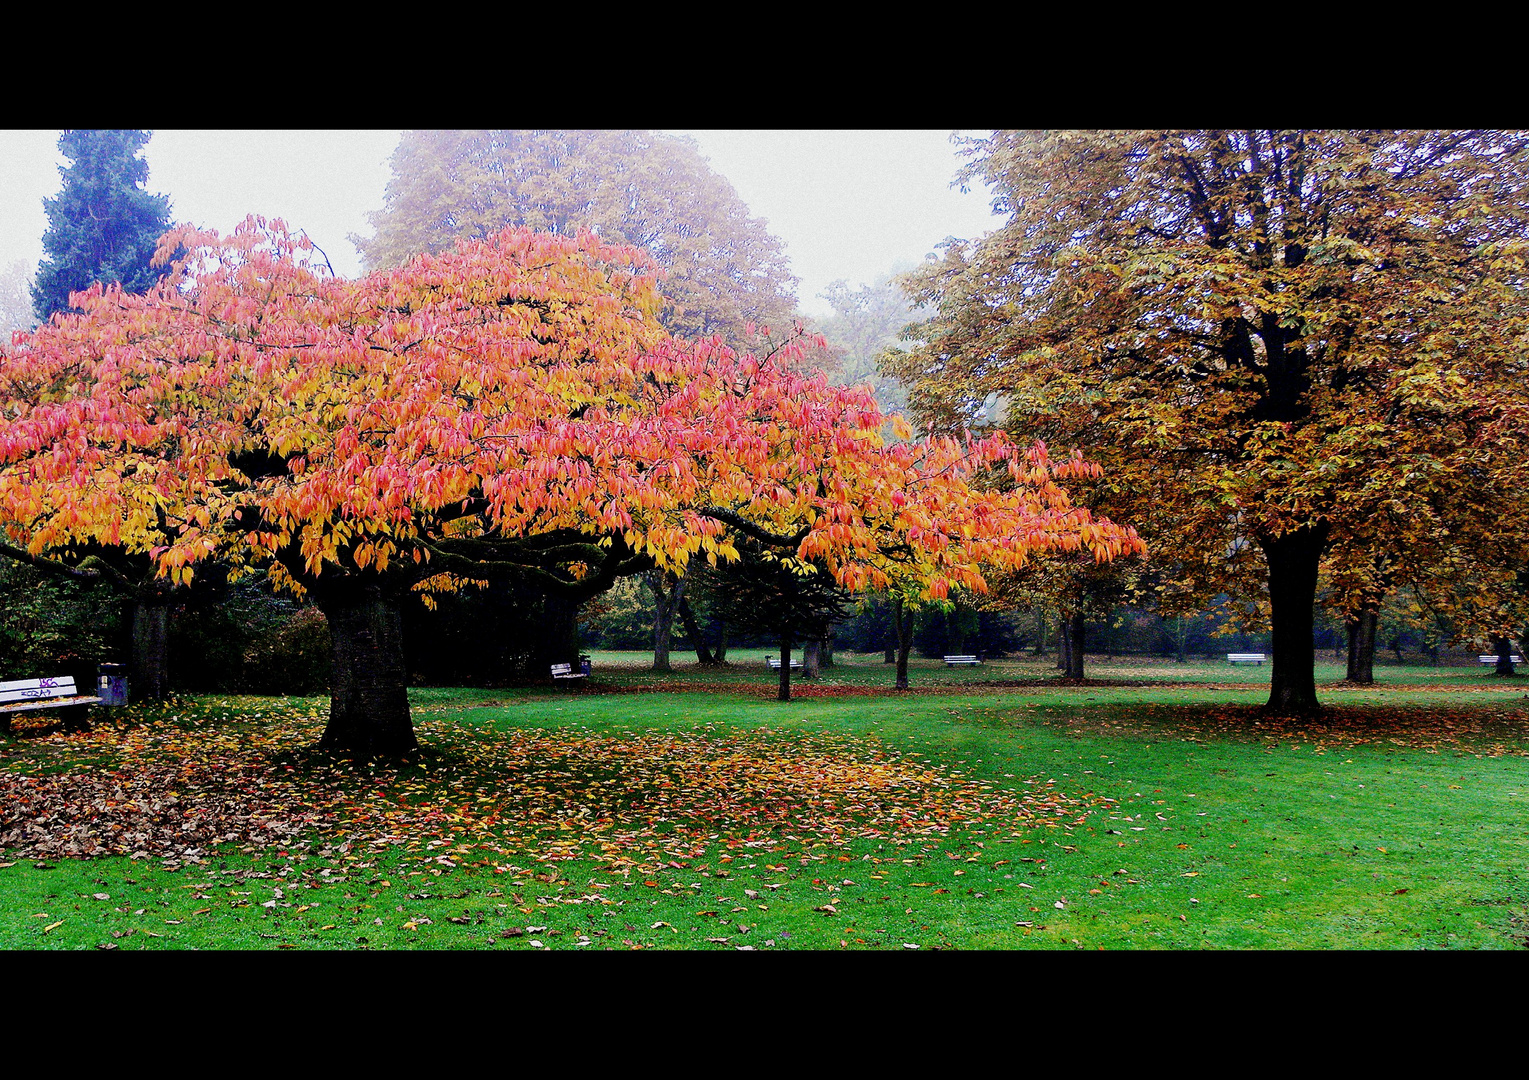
103,225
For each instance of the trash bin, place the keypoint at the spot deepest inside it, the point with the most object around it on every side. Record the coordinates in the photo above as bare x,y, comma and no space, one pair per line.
584,663
111,684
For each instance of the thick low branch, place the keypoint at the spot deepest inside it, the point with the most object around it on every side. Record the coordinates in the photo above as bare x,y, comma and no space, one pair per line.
92,568
748,528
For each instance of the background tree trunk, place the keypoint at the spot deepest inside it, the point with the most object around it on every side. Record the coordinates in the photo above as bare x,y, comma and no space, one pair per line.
783,691
702,653
665,606
1293,559
1504,650
369,695
149,670
811,651
1063,644
902,623
1361,647
1075,640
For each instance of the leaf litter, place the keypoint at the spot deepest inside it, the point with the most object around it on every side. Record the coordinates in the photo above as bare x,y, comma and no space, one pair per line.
236,772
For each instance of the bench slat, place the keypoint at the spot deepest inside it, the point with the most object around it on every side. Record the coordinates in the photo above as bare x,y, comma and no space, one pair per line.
37,689
52,703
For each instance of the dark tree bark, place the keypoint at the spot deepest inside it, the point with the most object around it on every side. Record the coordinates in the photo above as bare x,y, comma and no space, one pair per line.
812,652
665,607
1361,647
1075,641
702,653
149,669
561,641
1040,632
783,692
369,696
1293,559
720,653
1504,649
1063,644
902,624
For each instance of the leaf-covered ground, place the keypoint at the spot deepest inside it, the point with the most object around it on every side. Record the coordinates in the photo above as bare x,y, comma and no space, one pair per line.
176,785
1084,817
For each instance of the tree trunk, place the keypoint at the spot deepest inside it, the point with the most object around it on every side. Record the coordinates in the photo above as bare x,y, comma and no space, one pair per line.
1361,648
149,673
1040,633
811,652
665,606
1179,642
1075,637
826,650
369,695
783,693
702,653
720,654
1063,645
1293,560
902,622
1504,649
562,631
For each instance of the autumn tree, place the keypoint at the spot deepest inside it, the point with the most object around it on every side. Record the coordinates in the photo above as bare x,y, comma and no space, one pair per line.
723,269
103,225
866,321
792,599
509,408
1269,339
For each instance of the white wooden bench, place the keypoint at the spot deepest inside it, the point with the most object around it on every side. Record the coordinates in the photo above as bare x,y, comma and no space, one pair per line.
565,671
952,661
774,663
58,692
1245,658
1492,660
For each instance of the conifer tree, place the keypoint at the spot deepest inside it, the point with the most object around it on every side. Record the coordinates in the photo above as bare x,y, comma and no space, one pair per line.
103,225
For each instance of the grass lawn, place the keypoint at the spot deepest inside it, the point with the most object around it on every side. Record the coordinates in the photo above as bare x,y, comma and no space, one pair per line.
992,808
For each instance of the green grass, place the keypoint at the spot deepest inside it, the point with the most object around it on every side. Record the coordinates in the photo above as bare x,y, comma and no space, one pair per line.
1164,816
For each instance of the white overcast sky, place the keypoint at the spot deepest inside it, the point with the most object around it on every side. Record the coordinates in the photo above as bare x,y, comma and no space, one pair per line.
847,204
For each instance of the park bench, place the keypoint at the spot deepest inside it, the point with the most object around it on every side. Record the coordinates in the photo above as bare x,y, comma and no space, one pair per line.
565,671
1492,660
952,661
58,692
774,663
1245,658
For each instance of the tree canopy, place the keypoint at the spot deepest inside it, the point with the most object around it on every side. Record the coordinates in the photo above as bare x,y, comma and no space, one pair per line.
509,408
1282,345
103,225
724,270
